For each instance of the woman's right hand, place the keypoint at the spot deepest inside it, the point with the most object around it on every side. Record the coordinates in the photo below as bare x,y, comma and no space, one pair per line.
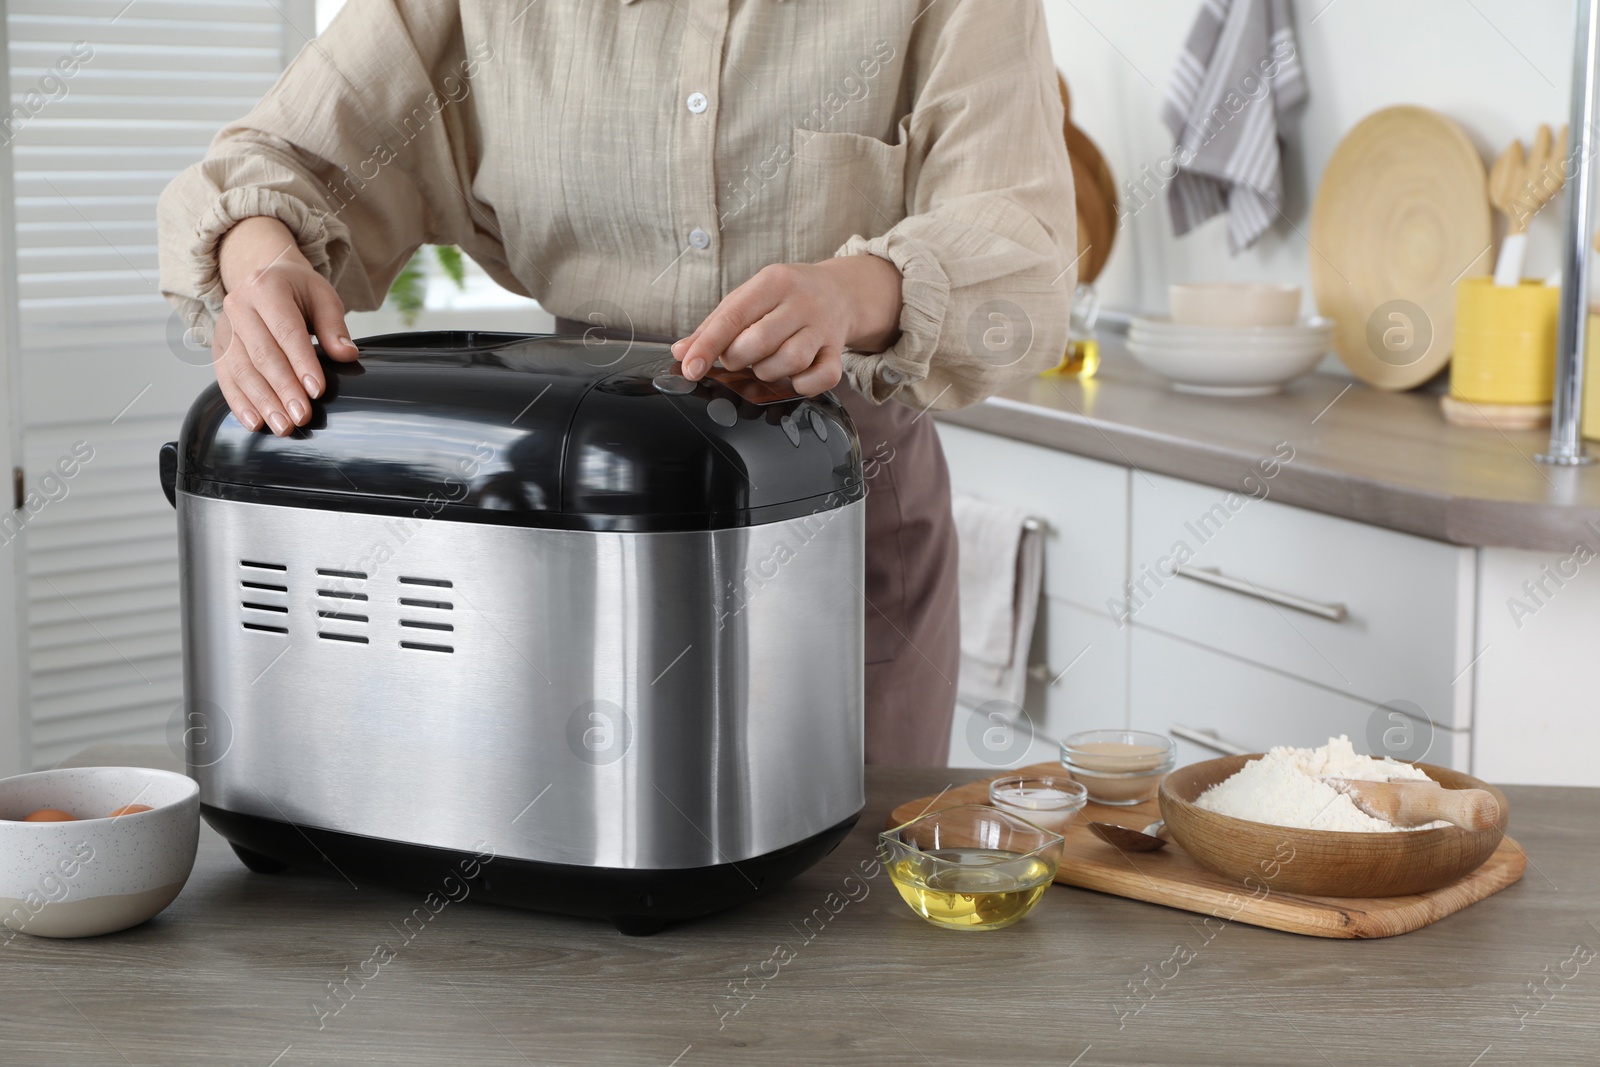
261,347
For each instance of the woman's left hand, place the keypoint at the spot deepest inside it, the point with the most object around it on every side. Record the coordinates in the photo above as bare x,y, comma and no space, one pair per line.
794,320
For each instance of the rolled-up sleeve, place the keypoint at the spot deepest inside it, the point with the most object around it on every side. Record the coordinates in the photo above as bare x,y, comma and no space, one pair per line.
363,150
987,248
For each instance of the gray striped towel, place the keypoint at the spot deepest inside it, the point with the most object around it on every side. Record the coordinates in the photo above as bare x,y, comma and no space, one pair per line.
1238,74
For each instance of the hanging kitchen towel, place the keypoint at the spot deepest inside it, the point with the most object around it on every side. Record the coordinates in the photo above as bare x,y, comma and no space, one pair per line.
1237,75
1001,572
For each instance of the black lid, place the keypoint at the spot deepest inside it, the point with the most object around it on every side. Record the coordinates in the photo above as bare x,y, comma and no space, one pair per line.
531,430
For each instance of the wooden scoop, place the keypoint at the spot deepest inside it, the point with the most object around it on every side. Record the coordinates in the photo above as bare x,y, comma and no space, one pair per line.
1128,839
1410,803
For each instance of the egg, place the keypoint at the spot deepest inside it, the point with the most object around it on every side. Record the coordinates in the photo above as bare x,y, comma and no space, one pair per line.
50,815
129,809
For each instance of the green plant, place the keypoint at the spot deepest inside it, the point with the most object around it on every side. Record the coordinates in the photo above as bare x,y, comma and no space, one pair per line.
408,291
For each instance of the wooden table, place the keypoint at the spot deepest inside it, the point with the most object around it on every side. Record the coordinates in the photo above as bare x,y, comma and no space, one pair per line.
237,972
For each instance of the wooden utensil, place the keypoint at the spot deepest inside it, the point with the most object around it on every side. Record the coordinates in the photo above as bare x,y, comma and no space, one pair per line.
1409,803
1401,214
1520,185
1096,195
1171,876
1326,862
1128,840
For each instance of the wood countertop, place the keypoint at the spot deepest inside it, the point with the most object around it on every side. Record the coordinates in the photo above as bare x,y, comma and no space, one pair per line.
237,970
1381,458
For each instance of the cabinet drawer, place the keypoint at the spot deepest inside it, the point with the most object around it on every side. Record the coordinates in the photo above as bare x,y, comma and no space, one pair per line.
1245,707
1085,657
1374,613
1084,501
1078,681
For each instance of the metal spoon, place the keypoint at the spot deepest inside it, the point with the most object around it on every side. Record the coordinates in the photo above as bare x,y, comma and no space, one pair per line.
1149,839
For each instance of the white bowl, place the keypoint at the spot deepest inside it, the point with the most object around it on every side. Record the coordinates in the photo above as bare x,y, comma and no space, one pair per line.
97,874
1241,349
1235,304
1162,326
1226,371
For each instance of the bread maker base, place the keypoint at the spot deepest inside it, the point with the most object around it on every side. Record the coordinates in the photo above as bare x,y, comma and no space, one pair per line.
637,902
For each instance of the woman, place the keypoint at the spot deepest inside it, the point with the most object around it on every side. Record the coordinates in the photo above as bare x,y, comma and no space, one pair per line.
872,197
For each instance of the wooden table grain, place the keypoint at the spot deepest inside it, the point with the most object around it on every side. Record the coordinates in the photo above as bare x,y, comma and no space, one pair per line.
832,969
1387,459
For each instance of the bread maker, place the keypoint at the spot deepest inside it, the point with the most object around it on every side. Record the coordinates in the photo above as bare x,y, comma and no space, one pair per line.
531,613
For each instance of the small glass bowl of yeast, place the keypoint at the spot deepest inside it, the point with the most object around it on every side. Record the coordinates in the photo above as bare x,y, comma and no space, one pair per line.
1119,767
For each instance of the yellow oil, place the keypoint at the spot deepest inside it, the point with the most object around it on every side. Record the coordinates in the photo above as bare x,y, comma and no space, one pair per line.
1081,359
973,889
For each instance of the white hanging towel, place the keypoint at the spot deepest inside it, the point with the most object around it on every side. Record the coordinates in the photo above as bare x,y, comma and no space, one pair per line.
1237,75
1001,574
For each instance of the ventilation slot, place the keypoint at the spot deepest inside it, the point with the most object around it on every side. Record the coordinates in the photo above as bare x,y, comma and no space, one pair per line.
437,583
354,639
329,573
420,625
264,605
438,605
339,595
341,616
422,647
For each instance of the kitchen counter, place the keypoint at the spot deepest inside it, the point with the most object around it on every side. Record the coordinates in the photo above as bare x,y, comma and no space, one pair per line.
1381,458
237,971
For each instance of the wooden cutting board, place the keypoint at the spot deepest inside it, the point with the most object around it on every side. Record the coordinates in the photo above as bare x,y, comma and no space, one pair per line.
1401,215
1170,877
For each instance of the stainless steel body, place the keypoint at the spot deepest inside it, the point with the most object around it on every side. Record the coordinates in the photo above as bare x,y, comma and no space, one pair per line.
622,700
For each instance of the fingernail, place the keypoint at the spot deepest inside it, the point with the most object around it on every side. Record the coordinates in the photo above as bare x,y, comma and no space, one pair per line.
677,346
251,420
313,390
297,411
694,368
279,424
345,340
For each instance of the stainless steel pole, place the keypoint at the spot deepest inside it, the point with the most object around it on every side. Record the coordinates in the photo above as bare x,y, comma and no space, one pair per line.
1566,408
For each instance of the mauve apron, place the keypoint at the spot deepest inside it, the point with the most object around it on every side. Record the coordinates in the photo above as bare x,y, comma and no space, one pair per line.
912,626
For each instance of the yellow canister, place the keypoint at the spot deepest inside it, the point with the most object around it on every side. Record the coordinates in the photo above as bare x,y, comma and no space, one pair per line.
1505,343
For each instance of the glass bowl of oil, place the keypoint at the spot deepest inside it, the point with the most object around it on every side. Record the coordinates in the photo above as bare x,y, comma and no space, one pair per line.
970,867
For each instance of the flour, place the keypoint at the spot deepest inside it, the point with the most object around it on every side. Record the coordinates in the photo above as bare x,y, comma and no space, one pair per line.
1282,788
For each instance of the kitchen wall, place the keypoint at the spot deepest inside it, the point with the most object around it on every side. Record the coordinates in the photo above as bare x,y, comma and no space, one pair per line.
1497,67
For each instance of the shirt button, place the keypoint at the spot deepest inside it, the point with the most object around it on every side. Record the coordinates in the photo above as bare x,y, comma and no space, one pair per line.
699,238
698,102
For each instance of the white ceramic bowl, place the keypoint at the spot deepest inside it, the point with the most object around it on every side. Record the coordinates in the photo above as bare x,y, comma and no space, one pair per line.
1160,326
1235,304
1227,371
97,874
1243,348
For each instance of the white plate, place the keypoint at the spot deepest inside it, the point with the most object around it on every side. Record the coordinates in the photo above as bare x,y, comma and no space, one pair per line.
1226,372
1242,349
1161,325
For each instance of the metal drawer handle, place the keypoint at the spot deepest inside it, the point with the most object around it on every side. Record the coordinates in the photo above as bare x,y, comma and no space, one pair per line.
1212,576
1207,739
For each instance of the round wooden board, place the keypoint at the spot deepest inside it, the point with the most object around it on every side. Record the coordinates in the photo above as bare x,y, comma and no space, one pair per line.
1096,190
1402,213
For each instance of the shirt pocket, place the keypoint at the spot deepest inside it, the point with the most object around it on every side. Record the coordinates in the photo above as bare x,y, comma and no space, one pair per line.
841,185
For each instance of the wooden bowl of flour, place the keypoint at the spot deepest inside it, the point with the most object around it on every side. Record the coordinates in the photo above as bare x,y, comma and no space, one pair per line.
1328,863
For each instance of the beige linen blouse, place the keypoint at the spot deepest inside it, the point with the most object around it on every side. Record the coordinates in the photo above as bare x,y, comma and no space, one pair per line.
632,161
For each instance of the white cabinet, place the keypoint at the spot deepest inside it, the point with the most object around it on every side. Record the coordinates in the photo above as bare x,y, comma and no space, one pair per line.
1370,613
1538,674
1084,501
1250,708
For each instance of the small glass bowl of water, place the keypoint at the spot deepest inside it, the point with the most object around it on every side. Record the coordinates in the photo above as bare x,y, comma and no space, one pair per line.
1050,802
